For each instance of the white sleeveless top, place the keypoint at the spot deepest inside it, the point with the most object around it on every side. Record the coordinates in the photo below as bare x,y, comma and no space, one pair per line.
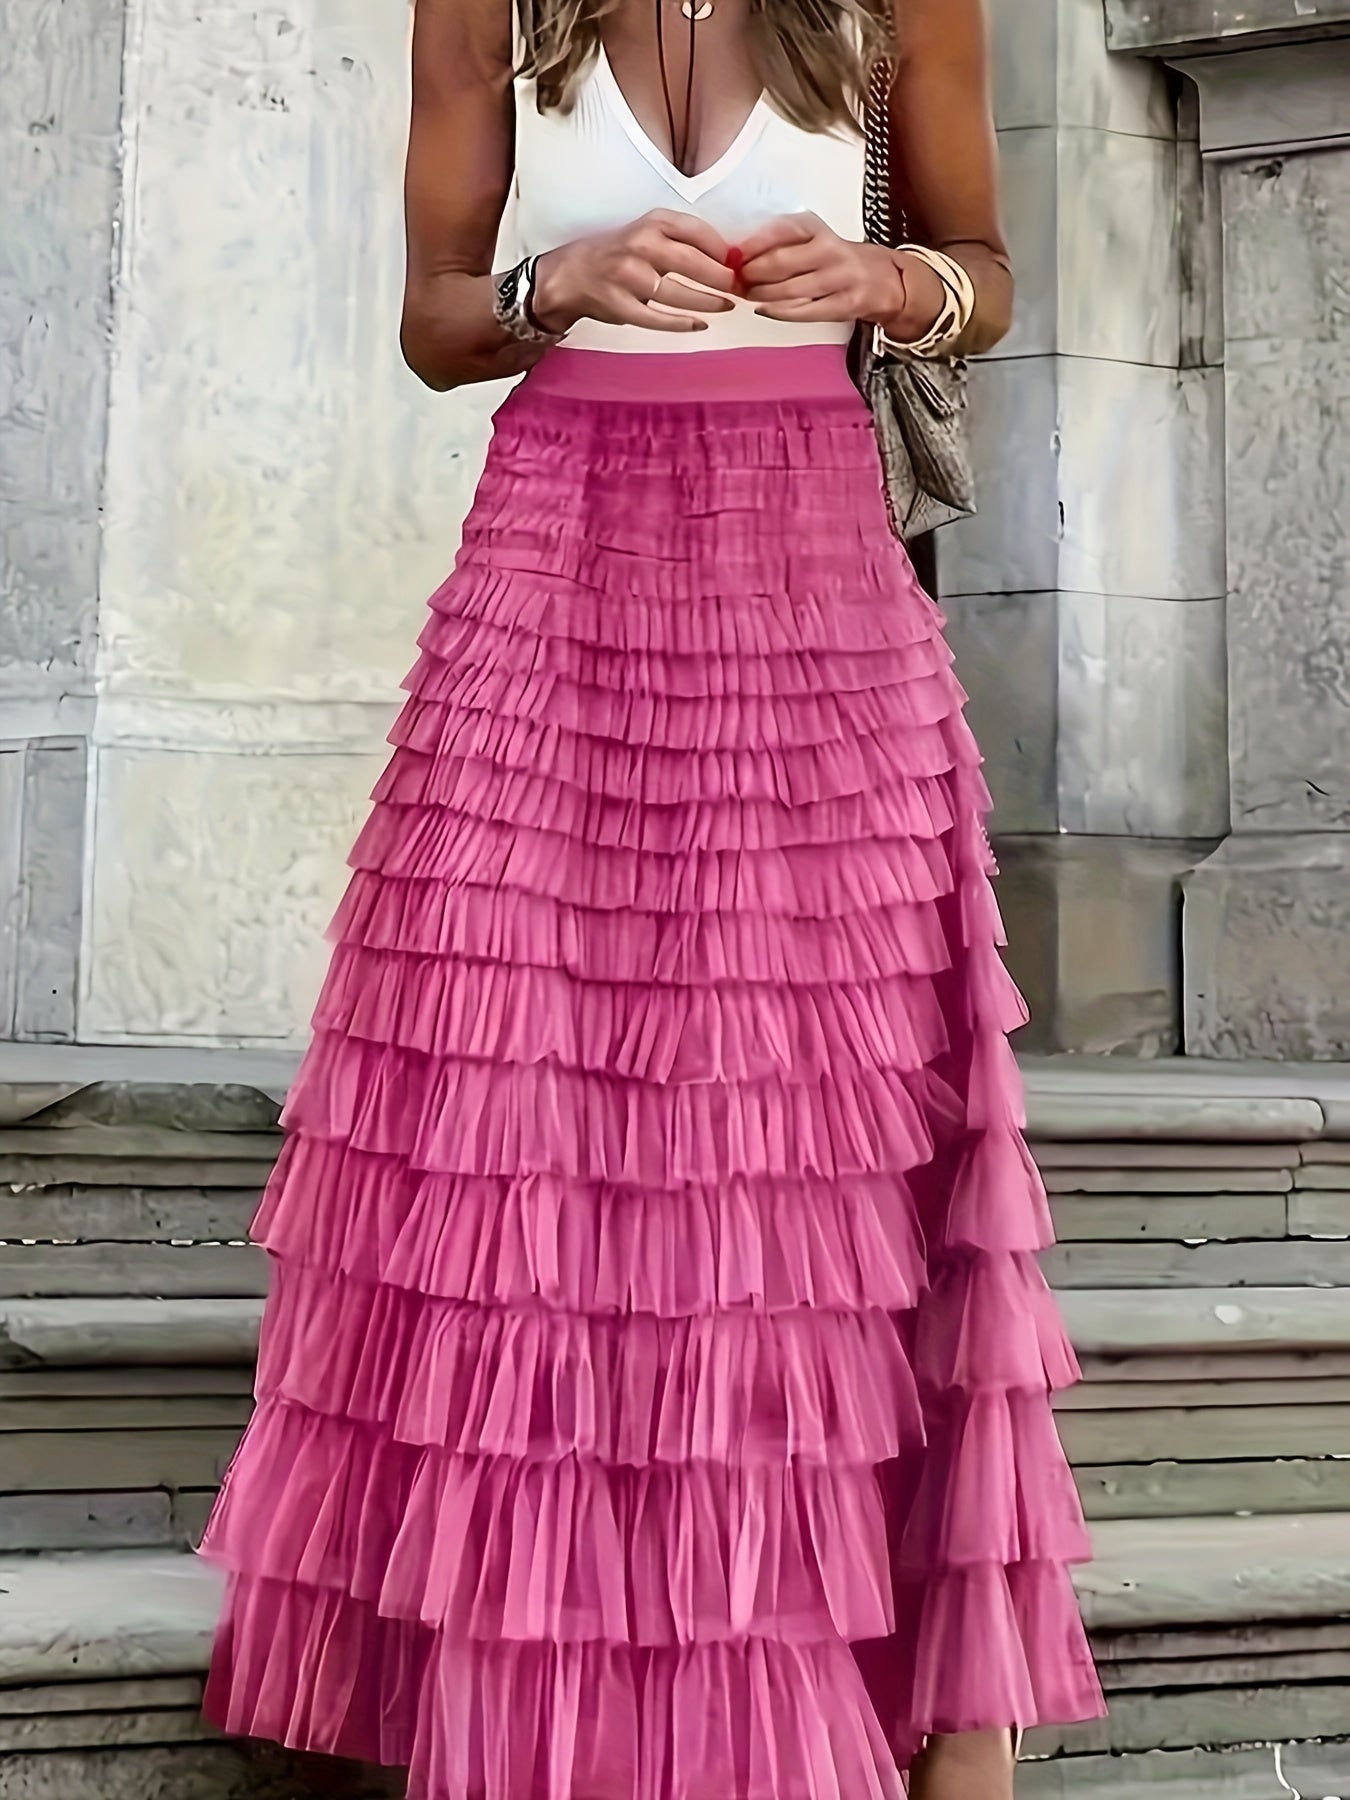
594,168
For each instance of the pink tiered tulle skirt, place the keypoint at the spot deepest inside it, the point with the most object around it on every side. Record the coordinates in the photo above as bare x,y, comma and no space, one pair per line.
654,1392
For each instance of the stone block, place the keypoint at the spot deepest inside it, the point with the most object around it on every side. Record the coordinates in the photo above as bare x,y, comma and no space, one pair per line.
127,1215
204,1771
1142,717
1167,1265
124,1615
1150,27
1215,1715
1094,227
1051,66
53,885
227,1103
110,1521
1273,97
281,493
76,1334
59,152
1188,1774
1112,1219
1289,610
217,877
1092,929
42,812
1287,246
11,882
1096,477
1266,928
1007,658
1176,1490
1205,1321
1077,1117
1216,1572
164,1271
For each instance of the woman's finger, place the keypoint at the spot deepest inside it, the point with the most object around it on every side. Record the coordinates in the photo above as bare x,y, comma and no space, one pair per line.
674,292
695,265
832,309
784,263
684,228
812,286
794,228
625,309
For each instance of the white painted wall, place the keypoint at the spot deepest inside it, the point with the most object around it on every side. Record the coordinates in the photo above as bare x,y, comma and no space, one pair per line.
281,497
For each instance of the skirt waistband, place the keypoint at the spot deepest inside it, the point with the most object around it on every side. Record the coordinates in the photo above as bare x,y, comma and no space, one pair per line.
797,372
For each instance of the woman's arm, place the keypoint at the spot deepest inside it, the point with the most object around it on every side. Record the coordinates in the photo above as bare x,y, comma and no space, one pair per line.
461,153
944,155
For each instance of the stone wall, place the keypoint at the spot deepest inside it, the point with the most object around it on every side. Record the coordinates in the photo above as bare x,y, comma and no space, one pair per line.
1267,917
199,354
1086,599
59,173
223,501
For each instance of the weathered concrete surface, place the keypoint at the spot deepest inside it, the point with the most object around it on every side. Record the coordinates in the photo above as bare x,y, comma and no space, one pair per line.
281,498
1184,1321
1267,948
1093,938
59,175
1085,599
117,1615
1287,230
68,1334
1098,715
1216,1571
1313,1769
42,870
1153,27
59,146
205,1771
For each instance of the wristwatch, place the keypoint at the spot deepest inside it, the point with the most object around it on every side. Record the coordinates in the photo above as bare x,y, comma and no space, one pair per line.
513,306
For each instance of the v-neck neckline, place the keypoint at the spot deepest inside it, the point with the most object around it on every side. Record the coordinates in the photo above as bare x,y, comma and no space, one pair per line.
691,187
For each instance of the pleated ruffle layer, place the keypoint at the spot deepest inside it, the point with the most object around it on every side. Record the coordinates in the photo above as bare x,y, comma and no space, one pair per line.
654,1391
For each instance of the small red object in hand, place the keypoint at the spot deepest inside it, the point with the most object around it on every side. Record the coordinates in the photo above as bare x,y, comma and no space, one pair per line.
736,262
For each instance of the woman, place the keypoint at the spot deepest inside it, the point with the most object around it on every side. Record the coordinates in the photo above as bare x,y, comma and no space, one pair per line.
654,1390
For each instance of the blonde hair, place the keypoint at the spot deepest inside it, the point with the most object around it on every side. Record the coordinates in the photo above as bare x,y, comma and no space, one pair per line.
815,58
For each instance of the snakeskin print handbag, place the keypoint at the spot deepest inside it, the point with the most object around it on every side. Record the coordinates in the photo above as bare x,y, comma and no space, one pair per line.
918,404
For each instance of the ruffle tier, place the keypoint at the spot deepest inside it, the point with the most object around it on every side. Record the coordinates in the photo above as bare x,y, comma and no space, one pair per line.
654,1390
761,1718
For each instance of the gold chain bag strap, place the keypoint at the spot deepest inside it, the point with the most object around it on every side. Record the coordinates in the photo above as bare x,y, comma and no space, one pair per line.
918,404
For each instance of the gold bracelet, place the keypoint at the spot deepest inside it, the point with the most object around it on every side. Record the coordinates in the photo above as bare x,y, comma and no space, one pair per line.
957,311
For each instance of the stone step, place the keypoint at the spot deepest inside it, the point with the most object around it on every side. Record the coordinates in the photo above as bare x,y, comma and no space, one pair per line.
211,1770
1163,1490
235,1270
1214,1632
86,1333
1144,1322
1206,1572
1314,1770
1103,1322
118,1616
138,1614
1204,1715
63,1225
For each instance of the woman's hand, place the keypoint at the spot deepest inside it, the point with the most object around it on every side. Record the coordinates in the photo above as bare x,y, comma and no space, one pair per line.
798,270
652,273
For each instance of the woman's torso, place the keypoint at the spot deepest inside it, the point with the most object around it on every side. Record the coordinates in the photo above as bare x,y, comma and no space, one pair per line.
595,168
